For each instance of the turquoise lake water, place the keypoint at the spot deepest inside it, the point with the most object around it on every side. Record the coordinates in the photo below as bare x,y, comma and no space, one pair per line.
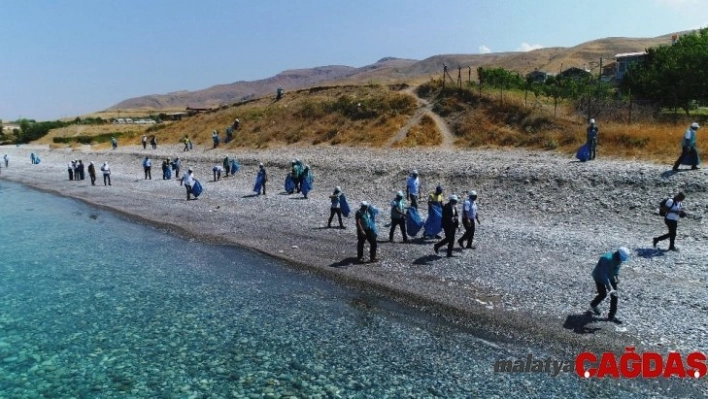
94,306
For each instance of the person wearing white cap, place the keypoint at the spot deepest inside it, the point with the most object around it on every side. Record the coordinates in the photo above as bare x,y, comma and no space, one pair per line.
673,208
689,155
188,181
469,219
606,276
412,188
335,207
398,216
365,231
592,138
450,224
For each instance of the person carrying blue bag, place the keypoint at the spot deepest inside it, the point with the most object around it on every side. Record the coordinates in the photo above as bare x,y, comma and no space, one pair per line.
689,155
261,180
307,180
398,216
336,207
433,224
366,231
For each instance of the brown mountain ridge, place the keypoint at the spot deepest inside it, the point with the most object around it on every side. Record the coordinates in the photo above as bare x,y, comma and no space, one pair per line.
391,69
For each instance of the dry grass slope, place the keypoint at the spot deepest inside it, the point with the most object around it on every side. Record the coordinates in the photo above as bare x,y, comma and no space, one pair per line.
371,116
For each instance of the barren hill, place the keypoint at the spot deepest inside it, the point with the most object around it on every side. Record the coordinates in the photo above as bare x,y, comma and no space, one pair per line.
389,70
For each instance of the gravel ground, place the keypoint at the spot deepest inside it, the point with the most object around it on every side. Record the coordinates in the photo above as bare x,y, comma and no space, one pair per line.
545,221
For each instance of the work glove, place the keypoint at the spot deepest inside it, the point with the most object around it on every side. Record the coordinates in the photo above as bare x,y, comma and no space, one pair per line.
614,293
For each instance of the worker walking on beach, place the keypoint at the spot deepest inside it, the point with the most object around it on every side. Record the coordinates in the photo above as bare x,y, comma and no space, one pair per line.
673,210
188,181
176,165
450,224
147,167
689,155
591,133
606,276
114,143
215,138
336,207
398,216
6,158
470,218
186,144
106,173
145,142
366,231
261,180
92,173
433,224
412,189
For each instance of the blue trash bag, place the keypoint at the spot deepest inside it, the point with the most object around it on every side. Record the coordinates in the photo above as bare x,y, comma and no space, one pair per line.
235,166
306,185
413,222
374,212
344,206
197,188
259,184
168,173
690,157
583,153
289,185
433,224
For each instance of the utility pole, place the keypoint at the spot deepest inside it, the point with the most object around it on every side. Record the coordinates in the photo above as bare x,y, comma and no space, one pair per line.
444,73
459,77
469,75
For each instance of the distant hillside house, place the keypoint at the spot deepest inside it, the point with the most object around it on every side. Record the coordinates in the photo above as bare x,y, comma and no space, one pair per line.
608,72
624,60
537,77
575,73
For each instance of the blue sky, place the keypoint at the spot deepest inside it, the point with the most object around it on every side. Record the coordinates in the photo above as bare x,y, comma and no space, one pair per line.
63,58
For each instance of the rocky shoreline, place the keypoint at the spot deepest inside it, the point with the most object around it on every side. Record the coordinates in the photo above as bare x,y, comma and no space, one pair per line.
545,221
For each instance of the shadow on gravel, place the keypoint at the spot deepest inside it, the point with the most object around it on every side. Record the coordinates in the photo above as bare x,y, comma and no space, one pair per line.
672,172
298,198
420,241
648,253
345,262
578,323
250,196
426,260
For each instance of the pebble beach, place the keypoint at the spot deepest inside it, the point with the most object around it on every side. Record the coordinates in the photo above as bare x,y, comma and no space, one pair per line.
546,219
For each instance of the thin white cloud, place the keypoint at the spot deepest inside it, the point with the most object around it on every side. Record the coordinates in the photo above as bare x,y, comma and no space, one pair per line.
528,47
484,49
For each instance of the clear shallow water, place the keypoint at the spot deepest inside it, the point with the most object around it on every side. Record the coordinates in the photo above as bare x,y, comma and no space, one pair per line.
92,306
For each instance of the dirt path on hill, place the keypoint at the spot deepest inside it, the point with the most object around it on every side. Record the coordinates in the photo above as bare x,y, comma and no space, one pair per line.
424,108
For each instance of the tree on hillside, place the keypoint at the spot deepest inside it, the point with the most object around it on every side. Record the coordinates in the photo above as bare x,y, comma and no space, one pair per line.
672,76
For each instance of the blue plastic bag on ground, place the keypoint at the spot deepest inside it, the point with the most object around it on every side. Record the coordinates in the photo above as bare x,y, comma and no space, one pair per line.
307,185
235,166
433,224
413,222
289,185
344,206
583,153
